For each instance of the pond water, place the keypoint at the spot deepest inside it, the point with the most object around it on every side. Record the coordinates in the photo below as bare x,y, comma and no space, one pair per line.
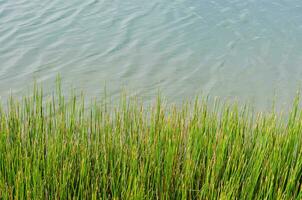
249,50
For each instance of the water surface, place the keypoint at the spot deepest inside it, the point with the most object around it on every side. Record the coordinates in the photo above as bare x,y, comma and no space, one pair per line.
245,49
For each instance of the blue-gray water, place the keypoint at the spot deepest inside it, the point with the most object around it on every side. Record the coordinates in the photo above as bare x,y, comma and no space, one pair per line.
245,49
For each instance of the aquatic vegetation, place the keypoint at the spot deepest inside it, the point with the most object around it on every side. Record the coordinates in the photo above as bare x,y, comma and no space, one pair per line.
54,148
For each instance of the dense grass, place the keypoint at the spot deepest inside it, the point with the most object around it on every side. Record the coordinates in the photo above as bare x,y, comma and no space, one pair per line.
52,148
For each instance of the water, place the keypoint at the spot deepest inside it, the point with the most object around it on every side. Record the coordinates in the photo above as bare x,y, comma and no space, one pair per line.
249,50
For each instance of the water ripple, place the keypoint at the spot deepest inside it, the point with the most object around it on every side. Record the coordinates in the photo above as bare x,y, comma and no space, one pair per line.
228,48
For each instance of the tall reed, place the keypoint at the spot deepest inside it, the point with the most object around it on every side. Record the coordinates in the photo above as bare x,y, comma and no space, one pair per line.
55,148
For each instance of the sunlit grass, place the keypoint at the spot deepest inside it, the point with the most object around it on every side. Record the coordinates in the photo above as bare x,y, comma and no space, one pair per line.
54,148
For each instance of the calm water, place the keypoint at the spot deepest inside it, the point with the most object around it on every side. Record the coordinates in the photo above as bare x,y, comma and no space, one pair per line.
245,49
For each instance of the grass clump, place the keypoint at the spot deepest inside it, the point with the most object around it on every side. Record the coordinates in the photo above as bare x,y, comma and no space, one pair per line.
58,149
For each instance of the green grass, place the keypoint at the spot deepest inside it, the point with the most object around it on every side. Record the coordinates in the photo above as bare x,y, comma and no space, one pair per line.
53,148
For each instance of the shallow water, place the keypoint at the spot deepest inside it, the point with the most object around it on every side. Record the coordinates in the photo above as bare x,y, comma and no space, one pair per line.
249,50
